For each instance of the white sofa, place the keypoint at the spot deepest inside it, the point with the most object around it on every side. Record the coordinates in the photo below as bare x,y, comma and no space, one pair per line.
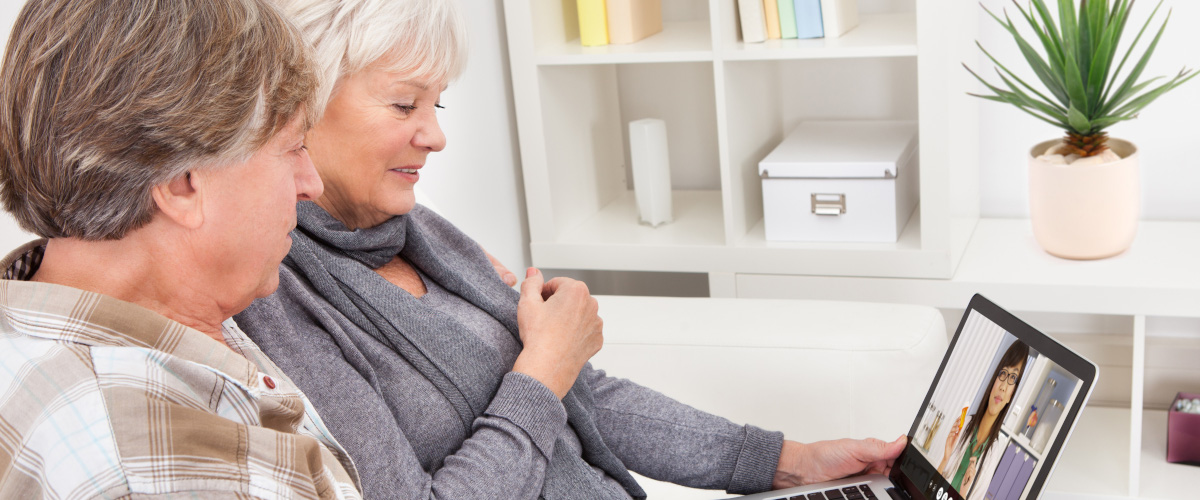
812,369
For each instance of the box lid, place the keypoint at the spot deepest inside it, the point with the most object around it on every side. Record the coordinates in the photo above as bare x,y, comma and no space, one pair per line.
866,149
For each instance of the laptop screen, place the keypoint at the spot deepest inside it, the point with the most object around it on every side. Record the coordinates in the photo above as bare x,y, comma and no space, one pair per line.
998,413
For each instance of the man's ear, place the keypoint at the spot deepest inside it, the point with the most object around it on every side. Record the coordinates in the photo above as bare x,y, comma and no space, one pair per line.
181,200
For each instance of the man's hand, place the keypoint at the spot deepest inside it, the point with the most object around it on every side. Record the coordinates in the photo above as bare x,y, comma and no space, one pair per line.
801,464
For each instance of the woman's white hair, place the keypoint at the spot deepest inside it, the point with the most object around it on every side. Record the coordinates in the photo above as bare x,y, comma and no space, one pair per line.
423,38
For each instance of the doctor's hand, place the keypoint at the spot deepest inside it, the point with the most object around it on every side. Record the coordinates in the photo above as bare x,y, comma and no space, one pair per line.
801,463
952,438
969,476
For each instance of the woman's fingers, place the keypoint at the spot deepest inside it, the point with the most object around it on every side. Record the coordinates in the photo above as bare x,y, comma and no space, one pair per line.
506,276
952,436
560,328
532,287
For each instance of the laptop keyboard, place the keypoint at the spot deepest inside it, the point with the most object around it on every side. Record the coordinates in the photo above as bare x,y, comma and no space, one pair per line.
858,492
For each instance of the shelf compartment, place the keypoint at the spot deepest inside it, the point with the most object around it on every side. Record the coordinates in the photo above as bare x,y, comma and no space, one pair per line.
612,238
1095,460
682,41
1160,479
585,115
877,35
764,100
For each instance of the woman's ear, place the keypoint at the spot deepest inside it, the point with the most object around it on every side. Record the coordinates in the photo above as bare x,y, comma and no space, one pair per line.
181,200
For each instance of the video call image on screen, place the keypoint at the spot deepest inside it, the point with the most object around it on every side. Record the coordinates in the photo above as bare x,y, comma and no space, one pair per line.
994,414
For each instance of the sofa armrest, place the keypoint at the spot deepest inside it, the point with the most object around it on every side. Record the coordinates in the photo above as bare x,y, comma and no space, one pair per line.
812,369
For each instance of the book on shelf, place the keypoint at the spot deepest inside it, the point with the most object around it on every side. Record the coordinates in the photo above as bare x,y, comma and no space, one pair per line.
839,16
771,15
593,22
753,21
633,20
809,23
787,19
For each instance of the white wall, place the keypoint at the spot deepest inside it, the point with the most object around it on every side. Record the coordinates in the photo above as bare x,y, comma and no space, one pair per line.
1165,131
476,181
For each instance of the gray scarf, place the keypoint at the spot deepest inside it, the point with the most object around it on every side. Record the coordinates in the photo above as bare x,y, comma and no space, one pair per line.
339,264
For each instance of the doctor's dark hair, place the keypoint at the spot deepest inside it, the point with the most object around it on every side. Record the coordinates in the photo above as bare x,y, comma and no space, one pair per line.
101,100
1017,354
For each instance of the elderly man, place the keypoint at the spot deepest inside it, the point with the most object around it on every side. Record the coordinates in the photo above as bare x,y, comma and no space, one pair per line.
158,146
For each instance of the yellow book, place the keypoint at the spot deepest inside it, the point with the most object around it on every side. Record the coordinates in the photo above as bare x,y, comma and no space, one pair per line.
593,22
771,9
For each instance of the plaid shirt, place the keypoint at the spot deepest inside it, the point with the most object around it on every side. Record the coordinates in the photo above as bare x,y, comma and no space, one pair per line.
101,398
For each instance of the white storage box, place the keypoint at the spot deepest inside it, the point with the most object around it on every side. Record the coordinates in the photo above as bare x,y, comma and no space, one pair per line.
843,181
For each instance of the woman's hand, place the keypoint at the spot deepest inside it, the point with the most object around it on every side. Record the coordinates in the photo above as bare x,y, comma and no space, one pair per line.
560,328
506,276
827,460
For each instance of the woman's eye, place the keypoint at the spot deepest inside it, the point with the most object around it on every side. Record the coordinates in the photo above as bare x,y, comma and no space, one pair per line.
407,109
439,106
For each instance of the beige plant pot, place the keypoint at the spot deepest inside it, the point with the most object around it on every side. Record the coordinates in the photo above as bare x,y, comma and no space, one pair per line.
1087,212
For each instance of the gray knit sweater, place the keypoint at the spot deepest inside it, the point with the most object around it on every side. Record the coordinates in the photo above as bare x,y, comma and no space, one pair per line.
407,440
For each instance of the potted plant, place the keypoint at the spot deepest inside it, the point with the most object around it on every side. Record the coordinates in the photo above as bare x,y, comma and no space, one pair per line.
1083,188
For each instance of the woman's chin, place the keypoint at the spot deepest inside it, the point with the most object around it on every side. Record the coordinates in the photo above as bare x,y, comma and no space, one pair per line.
403,207
398,202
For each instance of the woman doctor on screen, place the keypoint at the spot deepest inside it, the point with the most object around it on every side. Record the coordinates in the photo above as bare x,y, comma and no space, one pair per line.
960,463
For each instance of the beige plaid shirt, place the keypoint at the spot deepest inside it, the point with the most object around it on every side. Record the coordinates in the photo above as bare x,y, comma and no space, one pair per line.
101,398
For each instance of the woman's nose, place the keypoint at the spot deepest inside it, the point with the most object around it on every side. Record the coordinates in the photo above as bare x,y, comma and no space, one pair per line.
430,135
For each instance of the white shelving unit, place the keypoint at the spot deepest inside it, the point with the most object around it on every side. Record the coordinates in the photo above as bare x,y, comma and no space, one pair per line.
1158,277
727,104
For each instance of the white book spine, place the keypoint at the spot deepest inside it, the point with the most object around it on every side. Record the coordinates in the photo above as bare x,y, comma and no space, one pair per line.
839,16
651,170
754,21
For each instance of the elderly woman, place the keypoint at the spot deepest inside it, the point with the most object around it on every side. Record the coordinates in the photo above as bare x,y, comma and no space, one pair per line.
158,145
439,379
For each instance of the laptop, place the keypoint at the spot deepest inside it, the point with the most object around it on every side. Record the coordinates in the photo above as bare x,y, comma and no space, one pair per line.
995,419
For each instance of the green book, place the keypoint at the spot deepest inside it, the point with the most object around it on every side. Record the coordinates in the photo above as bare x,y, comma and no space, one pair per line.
787,19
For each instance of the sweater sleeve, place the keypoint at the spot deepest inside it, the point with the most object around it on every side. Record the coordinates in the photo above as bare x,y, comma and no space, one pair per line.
666,440
504,457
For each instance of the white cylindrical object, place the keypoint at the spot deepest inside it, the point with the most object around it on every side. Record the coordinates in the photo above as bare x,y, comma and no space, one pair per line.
651,170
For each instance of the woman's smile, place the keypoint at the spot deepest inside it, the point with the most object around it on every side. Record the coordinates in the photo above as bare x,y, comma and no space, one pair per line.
409,174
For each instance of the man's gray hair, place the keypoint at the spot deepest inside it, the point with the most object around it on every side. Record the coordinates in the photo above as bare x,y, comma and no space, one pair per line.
101,100
423,38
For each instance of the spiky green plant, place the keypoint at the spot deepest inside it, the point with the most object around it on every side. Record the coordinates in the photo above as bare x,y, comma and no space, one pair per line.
1076,68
